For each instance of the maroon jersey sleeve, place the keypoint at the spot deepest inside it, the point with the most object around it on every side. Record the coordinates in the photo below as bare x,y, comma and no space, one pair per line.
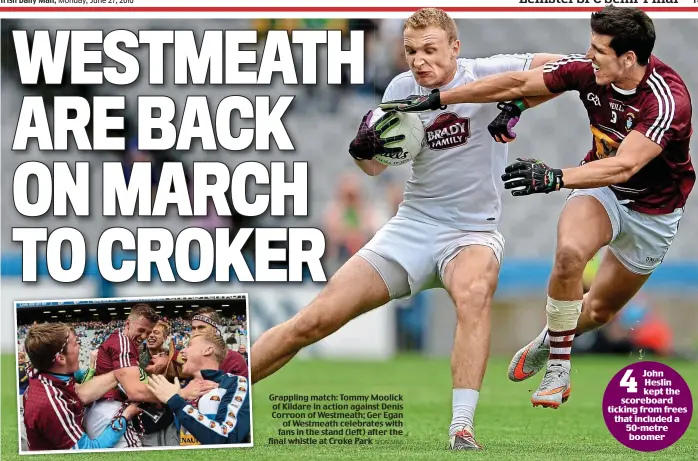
666,113
569,73
234,363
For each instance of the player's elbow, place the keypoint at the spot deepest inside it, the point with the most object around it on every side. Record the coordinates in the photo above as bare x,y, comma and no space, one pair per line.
627,169
138,394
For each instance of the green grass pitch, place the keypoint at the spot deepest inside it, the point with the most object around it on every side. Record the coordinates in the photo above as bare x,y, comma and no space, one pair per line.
506,423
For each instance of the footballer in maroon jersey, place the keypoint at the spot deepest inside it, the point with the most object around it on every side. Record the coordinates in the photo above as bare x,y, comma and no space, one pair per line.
628,193
54,403
658,108
119,353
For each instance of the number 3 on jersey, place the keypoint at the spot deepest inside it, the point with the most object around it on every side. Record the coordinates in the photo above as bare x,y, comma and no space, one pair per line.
614,116
628,381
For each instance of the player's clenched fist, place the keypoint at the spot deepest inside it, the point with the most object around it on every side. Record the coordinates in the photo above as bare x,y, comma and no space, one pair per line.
501,128
532,177
368,141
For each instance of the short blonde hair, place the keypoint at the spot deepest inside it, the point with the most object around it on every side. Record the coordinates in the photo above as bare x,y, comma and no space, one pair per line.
219,347
433,17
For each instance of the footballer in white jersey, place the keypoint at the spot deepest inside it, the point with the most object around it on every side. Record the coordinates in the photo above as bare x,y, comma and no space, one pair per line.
445,232
455,179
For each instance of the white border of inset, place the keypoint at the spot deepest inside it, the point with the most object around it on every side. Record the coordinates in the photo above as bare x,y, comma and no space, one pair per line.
88,301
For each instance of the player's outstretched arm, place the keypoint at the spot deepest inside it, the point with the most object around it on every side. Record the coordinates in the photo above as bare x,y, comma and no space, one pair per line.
500,87
134,387
634,153
506,86
531,176
96,387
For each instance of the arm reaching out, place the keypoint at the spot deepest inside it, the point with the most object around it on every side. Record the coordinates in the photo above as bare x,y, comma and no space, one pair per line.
501,87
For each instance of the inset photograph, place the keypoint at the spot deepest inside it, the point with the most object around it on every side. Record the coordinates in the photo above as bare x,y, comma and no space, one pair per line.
133,373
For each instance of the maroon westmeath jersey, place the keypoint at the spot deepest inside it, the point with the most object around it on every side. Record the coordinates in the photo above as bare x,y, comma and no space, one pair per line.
118,351
659,108
234,363
53,413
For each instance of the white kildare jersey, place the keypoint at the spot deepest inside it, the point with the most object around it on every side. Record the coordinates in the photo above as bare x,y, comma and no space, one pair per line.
456,178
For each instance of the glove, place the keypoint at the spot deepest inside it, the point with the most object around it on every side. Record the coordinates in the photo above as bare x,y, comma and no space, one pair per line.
534,175
501,127
415,103
368,141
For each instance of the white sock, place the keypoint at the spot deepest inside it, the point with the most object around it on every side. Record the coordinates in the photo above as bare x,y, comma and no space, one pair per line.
562,323
546,338
464,403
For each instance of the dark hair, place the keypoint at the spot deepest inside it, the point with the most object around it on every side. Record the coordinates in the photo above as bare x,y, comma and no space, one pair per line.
630,29
142,310
210,313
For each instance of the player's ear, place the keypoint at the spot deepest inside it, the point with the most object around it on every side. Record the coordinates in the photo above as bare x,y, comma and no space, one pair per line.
455,49
630,59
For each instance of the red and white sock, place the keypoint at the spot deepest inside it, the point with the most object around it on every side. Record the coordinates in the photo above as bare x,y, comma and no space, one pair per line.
562,323
560,345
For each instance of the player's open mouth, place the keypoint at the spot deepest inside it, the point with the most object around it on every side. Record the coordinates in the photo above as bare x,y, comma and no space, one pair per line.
595,67
151,342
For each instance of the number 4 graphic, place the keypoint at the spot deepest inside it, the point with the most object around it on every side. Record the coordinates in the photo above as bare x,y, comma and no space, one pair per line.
629,382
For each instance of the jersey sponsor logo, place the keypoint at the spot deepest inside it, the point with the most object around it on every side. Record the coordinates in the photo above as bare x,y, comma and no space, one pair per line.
447,131
594,99
617,106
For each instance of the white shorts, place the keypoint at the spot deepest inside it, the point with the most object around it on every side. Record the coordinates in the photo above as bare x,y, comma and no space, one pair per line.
411,256
640,240
100,415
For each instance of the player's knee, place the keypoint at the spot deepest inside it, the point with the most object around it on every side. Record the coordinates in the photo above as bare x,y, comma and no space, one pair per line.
598,312
311,325
472,299
570,260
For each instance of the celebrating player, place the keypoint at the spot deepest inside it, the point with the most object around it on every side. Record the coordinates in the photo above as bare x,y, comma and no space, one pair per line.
119,353
54,403
207,319
220,416
445,231
629,192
